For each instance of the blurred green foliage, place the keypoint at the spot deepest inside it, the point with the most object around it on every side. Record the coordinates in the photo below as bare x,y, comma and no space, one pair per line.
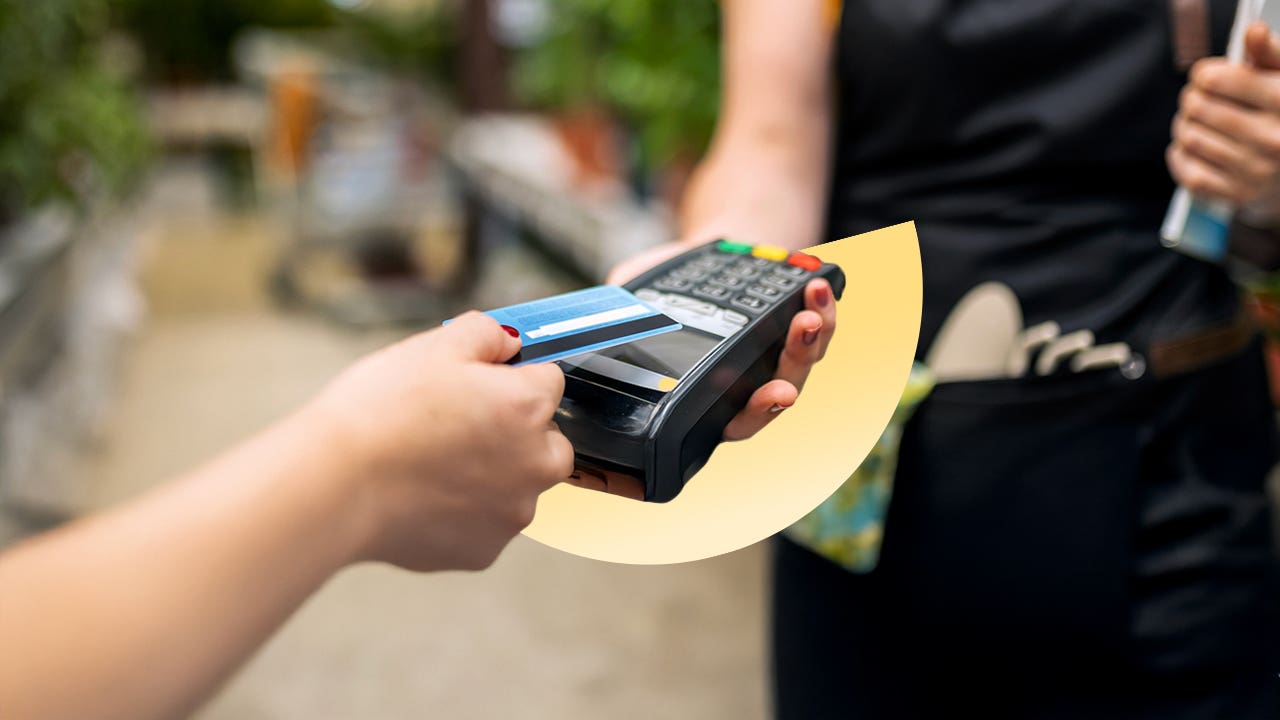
191,40
66,120
418,43
654,63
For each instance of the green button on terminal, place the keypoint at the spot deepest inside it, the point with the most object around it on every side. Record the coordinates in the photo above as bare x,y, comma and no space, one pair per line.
726,246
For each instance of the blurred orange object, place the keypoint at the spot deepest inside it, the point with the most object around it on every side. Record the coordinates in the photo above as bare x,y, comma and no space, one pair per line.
591,139
293,120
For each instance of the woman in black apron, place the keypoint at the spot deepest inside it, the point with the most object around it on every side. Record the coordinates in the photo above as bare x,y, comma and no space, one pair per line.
1081,545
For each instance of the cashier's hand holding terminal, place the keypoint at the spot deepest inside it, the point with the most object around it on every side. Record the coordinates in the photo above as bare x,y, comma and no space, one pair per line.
753,321
807,341
429,455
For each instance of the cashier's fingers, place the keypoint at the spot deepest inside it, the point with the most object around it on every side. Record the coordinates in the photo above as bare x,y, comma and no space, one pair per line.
1246,87
608,482
1262,46
765,404
1205,143
803,348
1205,179
819,298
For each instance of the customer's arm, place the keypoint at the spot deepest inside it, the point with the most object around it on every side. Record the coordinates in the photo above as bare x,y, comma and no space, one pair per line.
427,455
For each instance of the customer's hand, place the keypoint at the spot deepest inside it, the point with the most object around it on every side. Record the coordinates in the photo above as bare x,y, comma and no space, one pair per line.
447,449
1226,135
807,341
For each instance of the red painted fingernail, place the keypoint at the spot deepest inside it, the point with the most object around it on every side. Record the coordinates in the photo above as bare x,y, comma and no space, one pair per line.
810,337
822,297
511,331
776,409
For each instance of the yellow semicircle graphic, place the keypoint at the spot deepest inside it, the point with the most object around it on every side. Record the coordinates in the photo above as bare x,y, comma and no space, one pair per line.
752,489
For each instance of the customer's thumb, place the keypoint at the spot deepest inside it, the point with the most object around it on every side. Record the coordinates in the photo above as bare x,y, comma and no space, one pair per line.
476,336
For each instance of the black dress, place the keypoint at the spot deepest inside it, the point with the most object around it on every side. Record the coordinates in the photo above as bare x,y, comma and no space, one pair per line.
1078,546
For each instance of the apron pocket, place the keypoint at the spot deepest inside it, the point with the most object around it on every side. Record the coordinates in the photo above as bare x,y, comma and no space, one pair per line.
1012,519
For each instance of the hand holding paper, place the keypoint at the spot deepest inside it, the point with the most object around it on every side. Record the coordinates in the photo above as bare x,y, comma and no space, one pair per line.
1226,138
1227,133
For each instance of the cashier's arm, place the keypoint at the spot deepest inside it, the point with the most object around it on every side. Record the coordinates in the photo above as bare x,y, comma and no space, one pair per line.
429,455
764,180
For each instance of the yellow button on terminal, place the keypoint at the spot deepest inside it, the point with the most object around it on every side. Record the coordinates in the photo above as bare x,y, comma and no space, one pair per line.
769,252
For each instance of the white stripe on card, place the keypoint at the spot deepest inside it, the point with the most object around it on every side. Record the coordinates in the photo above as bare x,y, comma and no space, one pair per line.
587,321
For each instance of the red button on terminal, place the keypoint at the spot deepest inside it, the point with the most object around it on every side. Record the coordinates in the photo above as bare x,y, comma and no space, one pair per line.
808,262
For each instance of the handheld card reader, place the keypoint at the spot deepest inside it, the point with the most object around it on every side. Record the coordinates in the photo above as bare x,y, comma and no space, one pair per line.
654,409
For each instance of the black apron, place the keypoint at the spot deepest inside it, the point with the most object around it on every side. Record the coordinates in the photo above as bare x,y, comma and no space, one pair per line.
1026,138
1073,546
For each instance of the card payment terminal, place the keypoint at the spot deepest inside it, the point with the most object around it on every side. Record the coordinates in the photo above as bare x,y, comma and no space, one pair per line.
655,409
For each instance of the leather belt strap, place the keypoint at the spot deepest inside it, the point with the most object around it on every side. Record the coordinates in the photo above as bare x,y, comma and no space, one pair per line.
1190,21
1188,353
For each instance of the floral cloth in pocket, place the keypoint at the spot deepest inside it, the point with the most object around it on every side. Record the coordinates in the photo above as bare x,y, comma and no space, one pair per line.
848,527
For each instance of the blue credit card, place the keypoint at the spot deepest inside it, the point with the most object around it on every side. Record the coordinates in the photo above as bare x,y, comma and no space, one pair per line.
580,322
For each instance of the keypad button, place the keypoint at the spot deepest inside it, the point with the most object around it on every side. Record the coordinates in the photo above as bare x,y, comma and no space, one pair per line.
736,318
770,252
733,248
674,283
649,296
780,282
792,271
690,273
764,292
713,292
750,304
755,262
743,271
730,281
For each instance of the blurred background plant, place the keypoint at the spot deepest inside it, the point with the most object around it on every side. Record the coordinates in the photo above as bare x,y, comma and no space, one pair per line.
654,64
190,41
419,42
70,119
69,110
